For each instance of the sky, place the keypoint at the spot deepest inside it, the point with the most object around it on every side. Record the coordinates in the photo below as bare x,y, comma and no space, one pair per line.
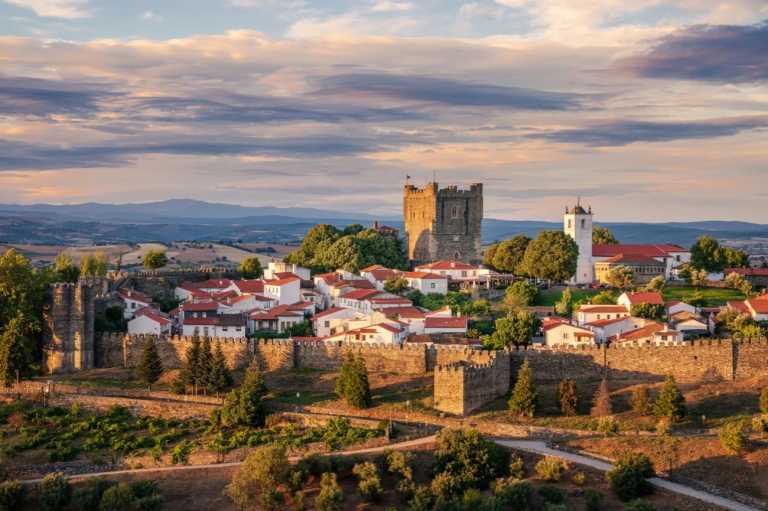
649,110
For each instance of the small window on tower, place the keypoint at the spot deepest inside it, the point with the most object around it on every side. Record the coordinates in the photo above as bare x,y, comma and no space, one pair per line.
583,223
569,223
455,212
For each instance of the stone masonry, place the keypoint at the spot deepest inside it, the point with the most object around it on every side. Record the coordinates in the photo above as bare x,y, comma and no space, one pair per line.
443,223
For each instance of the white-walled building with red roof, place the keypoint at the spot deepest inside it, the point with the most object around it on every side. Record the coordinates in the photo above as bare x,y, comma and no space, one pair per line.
588,313
456,270
562,333
427,282
286,290
629,299
149,321
133,301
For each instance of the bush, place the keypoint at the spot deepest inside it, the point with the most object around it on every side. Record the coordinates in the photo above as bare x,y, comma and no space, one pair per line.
640,401
513,493
244,406
138,496
663,427
607,425
465,454
517,467
369,482
551,494
550,468
760,424
639,505
55,492
88,496
549,506
764,400
593,499
446,486
733,436
579,478
11,495
118,498
422,499
472,500
352,384
568,396
330,496
670,403
398,462
628,477
263,470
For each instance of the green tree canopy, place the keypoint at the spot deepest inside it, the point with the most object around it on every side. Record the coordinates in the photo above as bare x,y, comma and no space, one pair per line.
94,265
64,269
468,457
264,470
488,255
396,285
656,284
151,367
647,310
515,329
564,306
520,293
509,254
250,268
352,384
551,256
244,406
670,404
524,398
604,298
155,259
603,236
621,277
707,254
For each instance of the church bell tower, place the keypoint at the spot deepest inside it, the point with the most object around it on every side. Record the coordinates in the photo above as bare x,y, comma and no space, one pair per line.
577,223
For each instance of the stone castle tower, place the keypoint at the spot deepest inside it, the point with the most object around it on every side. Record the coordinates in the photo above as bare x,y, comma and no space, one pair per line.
68,338
577,223
443,223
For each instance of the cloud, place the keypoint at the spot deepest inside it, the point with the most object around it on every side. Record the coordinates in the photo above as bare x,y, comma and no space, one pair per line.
446,91
719,53
68,9
622,132
391,6
40,98
151,16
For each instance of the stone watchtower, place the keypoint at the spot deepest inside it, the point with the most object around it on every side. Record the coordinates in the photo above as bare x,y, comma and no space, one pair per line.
443,223
68,337
577,223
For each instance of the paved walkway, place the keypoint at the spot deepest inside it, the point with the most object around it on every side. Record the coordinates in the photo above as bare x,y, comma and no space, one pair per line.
539,447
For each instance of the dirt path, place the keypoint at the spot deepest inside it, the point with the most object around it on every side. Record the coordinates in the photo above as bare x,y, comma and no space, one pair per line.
539,447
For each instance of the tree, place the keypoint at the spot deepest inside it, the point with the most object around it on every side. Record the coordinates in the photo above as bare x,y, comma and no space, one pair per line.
244,406
94,265
220,377
369,480
64,268
524,397
621,277
734,258
736,281
670,404
396,285
509,254
250,268
698,278
656,284
647,310
564,306
330,497
640,400
151,367
602,402
205,364
603,236
191,373
568,396
734,437
604,298
629,476
515,329
54,492
257,479
551,256
352,384
155,259
22,295
468,457
520,294
488,255
706,254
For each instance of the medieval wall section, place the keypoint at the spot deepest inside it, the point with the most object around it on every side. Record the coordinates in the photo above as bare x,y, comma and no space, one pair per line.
68,326
463,386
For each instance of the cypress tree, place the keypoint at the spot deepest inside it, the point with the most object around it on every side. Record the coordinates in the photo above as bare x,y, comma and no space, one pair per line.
568,396
352,384
151,366
220,377
190,373
524,399
602,404
670,403
244,406
205,364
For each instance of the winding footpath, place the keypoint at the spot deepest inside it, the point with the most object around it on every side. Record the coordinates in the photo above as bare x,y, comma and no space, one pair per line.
531,446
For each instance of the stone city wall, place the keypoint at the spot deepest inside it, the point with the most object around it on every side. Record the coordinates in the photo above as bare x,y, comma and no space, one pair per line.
464,386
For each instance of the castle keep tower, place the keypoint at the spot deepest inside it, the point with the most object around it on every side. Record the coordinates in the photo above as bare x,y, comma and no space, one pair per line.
577,223
68,343
443,223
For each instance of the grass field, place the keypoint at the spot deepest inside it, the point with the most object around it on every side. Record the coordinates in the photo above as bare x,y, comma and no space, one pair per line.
714,296
548,297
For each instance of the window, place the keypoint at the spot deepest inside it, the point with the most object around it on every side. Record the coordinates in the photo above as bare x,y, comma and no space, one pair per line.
197,331
327,324
432,285
583,223
569,223
598,316
454,212
463,274
226,329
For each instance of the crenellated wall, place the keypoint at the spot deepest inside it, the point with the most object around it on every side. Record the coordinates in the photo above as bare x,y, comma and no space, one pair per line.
463,386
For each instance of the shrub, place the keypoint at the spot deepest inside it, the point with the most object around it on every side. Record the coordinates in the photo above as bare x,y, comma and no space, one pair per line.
593,499
663,427
602,402
568,396
639,505
607,425
330,496
405,489
446,486
524,398
244,406
151,367
298,476
640,400
465,454
298,502
517,467
550,468
264,469
398,462
55,492
733,436
117,498
549,506
369,482
11,495
764,400
422,499
181,452
670,403
579,478
551,494
352,384
760,424
88,496
515,494
472,500
628,477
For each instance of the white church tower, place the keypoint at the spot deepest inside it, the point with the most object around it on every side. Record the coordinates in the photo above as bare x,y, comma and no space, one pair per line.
577,223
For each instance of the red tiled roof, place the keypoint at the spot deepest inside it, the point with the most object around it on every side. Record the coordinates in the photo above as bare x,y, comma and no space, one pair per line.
360,294
137,296
641,332
201,321
329,311
405,312
374,267
300,306
738,306
446,322
199,306
670,303
214,284
382,274
662,250
281,311
605,322
389,327
281,282
748,272
447,265
759,305
424,275
391,301
250,286
602,308
645,297
154,315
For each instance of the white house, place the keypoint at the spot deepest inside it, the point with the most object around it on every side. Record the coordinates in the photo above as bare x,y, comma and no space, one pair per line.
565,334
412,316
326,322
688,324
605,329
133,301
222,325
148,321
286,290
427,282
249,303
378,275
358,299
248,286
386,301
188,291
196,310
214,285
672,256
456,271
278,319
383,333
650,333
446,325
589,313
276,267
756,308
630,299
676,306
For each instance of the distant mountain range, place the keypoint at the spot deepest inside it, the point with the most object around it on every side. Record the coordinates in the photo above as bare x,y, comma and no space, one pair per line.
185,219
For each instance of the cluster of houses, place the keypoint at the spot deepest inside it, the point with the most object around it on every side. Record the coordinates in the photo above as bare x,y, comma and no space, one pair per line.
341,305
614,323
